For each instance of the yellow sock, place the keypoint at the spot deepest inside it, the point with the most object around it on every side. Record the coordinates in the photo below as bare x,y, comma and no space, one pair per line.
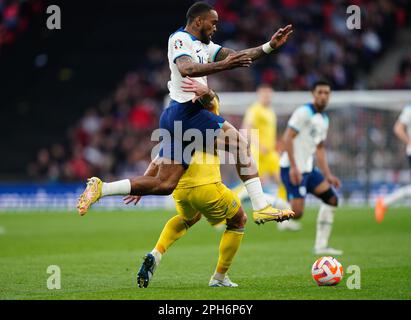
229,244
174,229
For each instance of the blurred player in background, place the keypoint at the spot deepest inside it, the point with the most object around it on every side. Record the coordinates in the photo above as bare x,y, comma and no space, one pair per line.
402,130
303,139
261,116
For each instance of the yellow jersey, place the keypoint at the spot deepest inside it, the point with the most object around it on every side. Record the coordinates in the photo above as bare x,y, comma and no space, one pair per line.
204,168
265,120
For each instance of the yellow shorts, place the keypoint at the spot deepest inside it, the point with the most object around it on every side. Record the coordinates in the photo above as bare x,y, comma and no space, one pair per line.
214,201
269,163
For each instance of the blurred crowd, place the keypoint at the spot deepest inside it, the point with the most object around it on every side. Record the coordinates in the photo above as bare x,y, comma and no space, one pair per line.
402,79
112,140
321,46
15,16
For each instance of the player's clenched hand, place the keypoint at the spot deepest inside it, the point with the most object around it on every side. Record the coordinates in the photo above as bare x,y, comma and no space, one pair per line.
131,199
235,60
334,181
295,176
281,36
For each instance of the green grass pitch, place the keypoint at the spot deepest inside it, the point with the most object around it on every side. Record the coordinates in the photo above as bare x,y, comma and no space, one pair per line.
99,255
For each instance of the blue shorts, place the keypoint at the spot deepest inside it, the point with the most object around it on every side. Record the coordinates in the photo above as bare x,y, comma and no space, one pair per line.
177,120
310,181
409,160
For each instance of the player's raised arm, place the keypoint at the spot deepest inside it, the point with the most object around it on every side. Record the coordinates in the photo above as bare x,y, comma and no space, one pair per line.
189,68
277,40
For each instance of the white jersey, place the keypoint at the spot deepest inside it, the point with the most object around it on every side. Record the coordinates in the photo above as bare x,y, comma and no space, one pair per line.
182,43
312,128
405,118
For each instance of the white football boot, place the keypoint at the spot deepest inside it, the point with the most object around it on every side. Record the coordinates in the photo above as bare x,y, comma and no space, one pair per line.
226,282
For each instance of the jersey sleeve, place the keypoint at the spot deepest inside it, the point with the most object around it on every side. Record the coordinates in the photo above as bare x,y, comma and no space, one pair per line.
405,116
298,119
213,50
180,45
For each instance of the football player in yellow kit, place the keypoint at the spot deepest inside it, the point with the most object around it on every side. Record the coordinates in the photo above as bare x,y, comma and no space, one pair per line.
262,117
200,192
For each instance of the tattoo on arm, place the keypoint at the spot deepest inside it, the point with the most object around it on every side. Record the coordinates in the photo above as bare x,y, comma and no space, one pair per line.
188,67
254,53
223,53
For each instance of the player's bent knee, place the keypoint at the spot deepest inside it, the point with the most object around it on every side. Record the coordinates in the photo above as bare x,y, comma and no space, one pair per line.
329,197
333,201
243,219
237,222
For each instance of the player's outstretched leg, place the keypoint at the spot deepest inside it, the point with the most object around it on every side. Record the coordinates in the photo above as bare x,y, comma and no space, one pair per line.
164,179
96,189
229,245
174,229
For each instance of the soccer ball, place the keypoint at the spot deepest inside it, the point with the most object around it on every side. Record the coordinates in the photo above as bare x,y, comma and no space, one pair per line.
327,271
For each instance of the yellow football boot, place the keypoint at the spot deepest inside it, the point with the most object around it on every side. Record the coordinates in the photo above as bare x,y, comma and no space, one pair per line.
270,213
91,194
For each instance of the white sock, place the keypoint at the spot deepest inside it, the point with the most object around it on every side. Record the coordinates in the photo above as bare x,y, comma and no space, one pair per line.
256,194
219,276
117,188
324,225
397,195
157,255
242,193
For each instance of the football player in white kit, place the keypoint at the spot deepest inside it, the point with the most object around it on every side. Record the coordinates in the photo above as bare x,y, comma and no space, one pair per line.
303,139
191,53
402,130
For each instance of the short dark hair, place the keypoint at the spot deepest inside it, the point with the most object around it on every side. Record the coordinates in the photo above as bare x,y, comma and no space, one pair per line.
320,82
197,9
